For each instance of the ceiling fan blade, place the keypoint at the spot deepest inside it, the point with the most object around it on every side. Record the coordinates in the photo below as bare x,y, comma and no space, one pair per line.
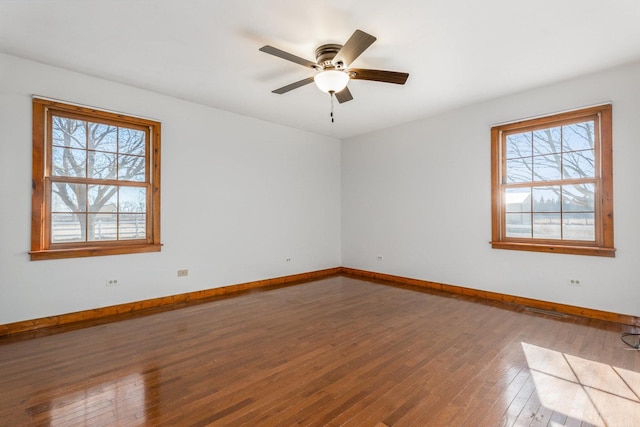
357,43
344,95
379,75
288,56
292,86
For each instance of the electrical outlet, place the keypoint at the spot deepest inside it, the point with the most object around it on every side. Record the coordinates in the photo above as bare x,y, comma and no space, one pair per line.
111,282
574,282
183,273
288,259
380,257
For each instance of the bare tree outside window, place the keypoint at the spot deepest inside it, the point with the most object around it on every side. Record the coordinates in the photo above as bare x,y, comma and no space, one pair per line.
83,212
545,163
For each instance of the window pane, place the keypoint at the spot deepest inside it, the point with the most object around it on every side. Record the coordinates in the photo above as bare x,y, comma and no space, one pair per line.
131,168
578,198
131,141
132,199
579,226
103,198
547,141
65,228
578,136
578,164
546,226
69,132
102,137
132,226
519,170
518,145
518,225
517,199
546,199
546,168
101,165
68,197
69,162
102,227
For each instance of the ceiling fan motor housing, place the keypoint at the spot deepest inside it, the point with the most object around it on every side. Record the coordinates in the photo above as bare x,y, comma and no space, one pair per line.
326,53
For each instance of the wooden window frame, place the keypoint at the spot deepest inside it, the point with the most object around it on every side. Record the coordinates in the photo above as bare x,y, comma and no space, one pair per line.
41,246
603,203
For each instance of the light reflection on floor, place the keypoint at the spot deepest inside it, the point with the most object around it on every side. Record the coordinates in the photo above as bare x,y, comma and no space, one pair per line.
585,390
120,399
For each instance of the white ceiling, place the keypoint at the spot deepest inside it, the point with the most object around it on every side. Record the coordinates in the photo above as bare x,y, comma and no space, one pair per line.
456,51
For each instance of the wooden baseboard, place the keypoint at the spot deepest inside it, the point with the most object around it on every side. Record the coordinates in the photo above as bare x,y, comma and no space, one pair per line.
176,300
495,296
167,302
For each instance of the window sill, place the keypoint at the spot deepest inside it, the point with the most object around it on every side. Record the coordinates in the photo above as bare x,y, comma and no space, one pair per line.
93,251
559,249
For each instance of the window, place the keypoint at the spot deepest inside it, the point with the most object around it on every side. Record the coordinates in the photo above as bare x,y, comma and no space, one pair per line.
96,182
552,184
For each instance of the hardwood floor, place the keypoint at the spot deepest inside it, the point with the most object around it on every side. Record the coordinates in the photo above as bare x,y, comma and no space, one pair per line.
338,351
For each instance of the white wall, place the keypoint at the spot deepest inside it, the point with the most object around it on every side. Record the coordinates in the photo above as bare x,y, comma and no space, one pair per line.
420,196
239,196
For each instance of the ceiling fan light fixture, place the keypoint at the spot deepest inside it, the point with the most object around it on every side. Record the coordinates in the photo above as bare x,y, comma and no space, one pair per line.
331,80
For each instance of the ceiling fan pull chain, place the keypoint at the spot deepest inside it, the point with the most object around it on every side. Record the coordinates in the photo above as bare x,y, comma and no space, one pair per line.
331,96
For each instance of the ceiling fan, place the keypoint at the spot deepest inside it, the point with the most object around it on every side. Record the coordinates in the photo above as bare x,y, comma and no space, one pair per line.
332,67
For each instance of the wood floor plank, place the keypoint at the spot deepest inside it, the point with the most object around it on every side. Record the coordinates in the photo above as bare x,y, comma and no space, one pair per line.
334,352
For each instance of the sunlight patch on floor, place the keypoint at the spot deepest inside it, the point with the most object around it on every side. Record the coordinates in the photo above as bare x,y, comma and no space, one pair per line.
582,389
